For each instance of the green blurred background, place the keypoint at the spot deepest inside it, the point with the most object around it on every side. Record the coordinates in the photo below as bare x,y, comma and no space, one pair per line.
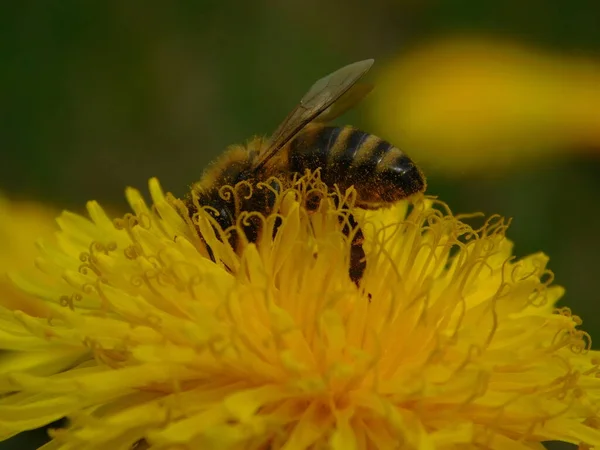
95,96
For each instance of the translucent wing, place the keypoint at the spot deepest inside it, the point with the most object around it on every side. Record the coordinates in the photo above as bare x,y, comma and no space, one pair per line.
347,101
323,94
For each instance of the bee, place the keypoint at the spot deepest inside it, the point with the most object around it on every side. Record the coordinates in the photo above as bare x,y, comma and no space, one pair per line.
380,173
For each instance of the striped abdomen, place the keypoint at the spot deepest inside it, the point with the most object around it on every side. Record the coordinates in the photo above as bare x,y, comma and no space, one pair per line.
380,172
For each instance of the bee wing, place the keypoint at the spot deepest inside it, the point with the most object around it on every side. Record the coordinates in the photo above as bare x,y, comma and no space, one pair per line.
346,102
323,94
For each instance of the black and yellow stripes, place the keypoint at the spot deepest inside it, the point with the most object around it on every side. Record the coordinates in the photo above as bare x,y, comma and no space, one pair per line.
380,172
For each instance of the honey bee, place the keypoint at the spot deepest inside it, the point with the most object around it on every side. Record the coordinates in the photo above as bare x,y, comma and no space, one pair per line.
380,173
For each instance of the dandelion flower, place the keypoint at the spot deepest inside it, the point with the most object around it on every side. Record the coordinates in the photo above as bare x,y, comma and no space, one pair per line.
155,342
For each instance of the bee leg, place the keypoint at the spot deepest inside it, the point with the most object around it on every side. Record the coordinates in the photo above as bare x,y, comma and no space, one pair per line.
358,263
209,250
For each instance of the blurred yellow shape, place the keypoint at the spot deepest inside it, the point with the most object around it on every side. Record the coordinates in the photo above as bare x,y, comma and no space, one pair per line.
21,224
473,104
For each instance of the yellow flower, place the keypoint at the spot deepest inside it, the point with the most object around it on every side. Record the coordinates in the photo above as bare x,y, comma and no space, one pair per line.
21,223
473,104
449,343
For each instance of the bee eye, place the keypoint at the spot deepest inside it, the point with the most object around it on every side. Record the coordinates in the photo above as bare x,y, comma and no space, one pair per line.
276,186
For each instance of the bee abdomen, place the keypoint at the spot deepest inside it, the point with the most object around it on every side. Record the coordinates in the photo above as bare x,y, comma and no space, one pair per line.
380,172
338,151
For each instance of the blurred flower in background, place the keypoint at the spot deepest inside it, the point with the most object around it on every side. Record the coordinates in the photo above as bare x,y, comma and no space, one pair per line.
155,342
22,224
475,104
